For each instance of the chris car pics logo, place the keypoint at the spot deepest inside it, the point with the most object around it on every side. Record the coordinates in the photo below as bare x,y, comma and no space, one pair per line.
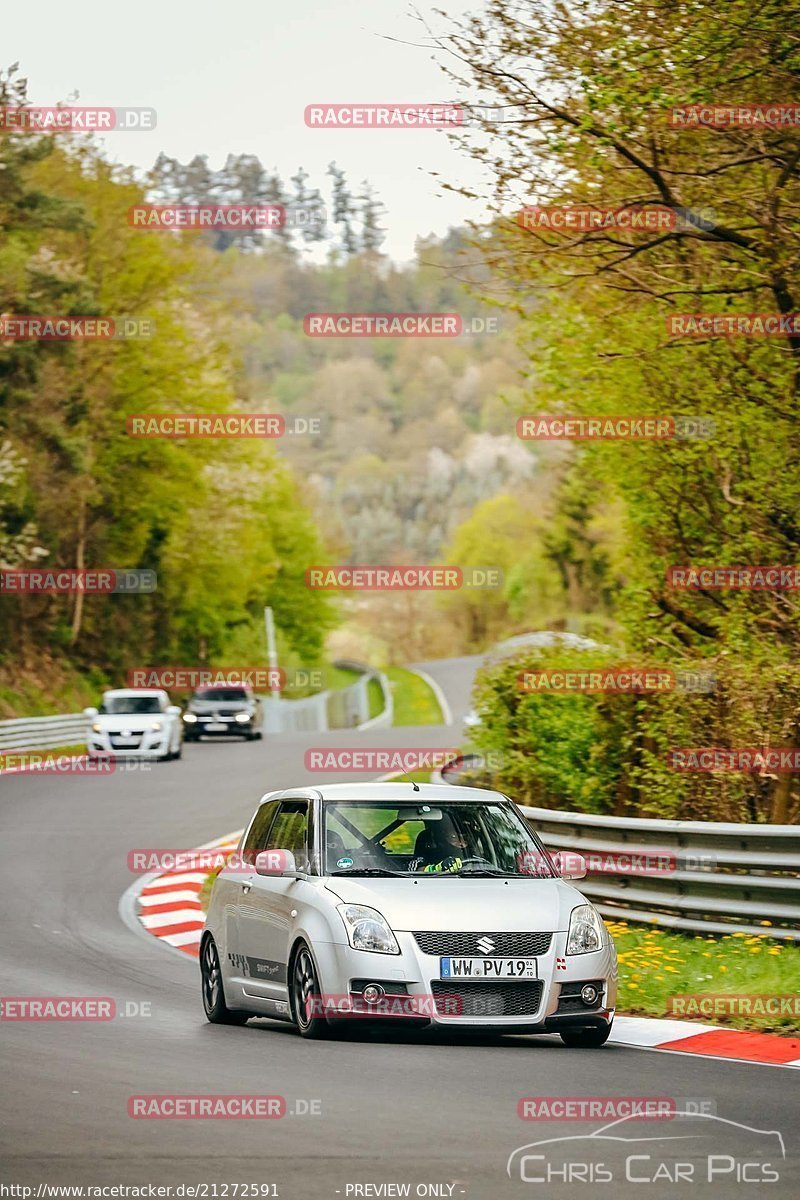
696,1147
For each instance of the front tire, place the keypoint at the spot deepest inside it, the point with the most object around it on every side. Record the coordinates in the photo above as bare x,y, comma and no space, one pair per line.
590,1038
216,1010
304,993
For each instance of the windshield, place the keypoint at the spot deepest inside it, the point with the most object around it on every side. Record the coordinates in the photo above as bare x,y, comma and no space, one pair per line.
222,693
120,705
382,838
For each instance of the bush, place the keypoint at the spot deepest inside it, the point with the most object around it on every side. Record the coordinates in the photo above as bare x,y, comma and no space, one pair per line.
607,752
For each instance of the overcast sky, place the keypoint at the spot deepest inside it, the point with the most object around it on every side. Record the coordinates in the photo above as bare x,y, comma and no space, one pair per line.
236,78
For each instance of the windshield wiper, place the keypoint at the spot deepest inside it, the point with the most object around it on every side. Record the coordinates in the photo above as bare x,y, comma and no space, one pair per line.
369,871
486,873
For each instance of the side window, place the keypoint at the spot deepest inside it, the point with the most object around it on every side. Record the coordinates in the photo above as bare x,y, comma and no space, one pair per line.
257,834
290,831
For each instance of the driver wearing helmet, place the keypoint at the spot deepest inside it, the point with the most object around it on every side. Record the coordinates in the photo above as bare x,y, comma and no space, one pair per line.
438,849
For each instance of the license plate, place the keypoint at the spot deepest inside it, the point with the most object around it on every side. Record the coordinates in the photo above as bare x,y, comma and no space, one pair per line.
488,968
216,725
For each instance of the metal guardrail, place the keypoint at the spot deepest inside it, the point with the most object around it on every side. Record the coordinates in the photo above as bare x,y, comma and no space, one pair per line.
356,699
715,878
43,733
346,708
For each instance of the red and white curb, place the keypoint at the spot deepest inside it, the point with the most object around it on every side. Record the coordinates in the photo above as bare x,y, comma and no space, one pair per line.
711,1041
170,909
170,906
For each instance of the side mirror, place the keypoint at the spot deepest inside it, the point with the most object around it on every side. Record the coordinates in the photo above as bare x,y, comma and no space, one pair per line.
569,864
275,863
90,712
173,711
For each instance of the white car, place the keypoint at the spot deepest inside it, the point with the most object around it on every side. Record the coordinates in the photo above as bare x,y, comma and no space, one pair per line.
135,723
429,904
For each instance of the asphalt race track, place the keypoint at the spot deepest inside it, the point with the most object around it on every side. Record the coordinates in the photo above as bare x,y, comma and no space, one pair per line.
396,1108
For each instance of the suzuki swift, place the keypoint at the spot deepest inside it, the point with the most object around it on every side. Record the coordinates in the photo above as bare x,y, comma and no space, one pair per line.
426,904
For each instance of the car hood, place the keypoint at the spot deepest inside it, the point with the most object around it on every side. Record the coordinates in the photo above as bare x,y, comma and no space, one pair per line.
463,905
114,722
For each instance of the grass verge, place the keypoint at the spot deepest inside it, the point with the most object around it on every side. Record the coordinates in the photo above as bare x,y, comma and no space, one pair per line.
414,700
374,698
656,965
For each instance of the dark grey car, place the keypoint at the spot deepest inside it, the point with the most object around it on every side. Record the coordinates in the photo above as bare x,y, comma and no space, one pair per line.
230,710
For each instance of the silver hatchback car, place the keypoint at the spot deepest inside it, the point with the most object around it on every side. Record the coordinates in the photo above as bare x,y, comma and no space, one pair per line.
426,904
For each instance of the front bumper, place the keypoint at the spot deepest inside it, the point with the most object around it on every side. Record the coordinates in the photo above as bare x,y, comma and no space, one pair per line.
199,728
478,1004
145,744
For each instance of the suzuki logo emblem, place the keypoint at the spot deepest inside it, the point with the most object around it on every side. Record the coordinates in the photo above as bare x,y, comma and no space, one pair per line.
485,945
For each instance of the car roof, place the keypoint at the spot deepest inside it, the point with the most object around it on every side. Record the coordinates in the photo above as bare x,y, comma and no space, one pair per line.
398,793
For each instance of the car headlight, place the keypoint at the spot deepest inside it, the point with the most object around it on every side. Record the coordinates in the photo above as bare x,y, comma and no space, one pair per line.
190,718
368,930
97,729
156,726
242,718
585,930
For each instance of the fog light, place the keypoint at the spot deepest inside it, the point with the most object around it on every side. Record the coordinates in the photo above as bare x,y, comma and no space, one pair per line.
373,992
589,994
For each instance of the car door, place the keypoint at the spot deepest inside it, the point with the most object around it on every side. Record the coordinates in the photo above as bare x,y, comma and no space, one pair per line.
235,885
266,906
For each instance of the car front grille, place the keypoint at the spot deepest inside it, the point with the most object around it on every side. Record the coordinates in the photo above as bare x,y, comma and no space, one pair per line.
518,945
127,743
487,999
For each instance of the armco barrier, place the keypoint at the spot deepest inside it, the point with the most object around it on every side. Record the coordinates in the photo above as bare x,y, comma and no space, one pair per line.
43,733
346,708
722,878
